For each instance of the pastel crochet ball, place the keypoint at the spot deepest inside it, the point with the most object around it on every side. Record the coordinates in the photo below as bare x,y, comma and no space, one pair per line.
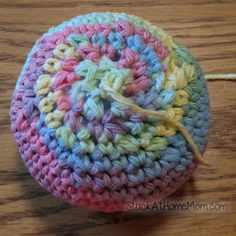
89,149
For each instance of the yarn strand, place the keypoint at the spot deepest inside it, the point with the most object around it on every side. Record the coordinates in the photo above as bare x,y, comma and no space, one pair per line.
120,98
220,76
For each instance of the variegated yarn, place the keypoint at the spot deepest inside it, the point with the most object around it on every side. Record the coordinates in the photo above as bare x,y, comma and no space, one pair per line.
80,141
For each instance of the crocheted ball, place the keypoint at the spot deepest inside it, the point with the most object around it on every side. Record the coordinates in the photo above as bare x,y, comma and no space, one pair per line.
89,149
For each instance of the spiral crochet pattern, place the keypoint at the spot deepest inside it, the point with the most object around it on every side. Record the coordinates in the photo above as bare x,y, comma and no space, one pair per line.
90,149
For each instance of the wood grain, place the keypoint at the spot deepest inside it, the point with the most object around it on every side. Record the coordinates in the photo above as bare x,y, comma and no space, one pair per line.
208,28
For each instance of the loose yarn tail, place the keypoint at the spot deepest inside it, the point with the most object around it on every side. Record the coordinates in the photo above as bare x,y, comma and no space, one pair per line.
120,98
220,76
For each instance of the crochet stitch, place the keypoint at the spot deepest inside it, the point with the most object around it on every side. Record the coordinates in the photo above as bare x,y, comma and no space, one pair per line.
85,146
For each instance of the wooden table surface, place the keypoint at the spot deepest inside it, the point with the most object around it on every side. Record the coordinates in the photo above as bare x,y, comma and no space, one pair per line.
208,29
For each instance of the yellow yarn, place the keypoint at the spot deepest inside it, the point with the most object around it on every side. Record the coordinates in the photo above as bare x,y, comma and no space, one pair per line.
46,104
53,119
163,115
220,76
43,85
52,65
181,98
63,51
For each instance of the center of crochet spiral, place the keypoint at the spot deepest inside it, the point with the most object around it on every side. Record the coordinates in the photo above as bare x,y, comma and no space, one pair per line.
79,112
106,72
